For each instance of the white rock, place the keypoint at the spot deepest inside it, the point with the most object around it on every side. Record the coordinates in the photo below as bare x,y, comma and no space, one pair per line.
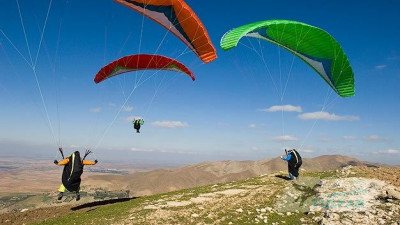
393,194
334,216
195,215
150,207
239,210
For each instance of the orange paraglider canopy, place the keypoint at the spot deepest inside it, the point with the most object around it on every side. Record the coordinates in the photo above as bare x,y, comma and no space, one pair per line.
179,19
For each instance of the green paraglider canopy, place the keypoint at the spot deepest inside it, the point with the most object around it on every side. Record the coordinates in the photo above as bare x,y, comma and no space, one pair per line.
311,44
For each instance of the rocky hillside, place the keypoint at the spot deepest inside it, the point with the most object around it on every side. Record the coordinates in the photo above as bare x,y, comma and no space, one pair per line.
350,195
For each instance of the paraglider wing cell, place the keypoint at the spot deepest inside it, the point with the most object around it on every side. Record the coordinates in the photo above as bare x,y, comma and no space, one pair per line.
140,62
311,44
177,17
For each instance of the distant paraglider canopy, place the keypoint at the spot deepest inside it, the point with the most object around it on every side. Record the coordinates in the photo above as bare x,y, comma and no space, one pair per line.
140,62
177,17
311,44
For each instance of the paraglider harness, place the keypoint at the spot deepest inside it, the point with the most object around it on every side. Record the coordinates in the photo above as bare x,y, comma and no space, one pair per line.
137,123
295,162
71,176
296,155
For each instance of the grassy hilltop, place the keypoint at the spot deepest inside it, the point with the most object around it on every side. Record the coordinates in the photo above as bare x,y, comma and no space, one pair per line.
362,194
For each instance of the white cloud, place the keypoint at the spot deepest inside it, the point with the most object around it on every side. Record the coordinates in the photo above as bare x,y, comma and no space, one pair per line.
286,108
141,150
285,138
254,148
349,137
379,67
388,151
307,150
375,138
326,116
95,110
127,108
252,125
169,124
393,151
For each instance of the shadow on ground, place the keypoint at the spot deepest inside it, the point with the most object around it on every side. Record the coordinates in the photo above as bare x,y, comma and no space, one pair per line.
282,177
101,203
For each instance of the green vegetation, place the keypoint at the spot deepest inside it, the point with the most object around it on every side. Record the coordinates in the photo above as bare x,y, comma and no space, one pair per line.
104,194
100,215
11,200
47,198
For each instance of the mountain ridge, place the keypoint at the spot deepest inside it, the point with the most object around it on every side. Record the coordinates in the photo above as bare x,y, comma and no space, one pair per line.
204,173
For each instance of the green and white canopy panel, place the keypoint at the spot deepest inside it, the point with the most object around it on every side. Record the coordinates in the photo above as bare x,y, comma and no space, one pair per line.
311,44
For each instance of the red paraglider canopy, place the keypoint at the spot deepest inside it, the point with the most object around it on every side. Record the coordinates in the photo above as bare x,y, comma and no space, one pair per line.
140,62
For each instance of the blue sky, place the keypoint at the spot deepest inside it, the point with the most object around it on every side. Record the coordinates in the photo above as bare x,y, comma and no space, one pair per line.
227,113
